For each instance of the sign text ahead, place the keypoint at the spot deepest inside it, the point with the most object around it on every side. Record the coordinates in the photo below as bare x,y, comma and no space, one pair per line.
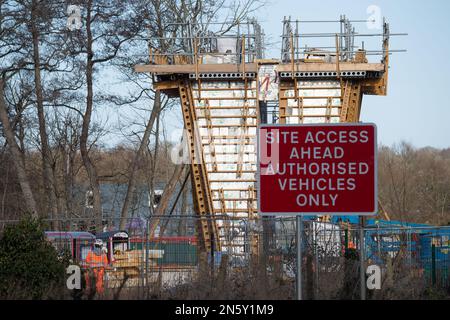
317,169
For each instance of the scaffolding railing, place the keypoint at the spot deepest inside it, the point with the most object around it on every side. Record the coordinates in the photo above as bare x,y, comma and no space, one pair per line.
295,47
189,43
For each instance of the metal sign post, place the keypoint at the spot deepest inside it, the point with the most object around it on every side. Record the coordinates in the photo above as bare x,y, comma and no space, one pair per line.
362,258
299,257
318,169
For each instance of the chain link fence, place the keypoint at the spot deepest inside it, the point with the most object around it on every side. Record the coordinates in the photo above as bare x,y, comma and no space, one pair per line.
257,259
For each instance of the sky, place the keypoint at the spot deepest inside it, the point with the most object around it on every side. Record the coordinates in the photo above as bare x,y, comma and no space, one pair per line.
417,107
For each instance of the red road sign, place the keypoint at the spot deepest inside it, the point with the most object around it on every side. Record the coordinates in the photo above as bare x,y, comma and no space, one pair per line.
317,169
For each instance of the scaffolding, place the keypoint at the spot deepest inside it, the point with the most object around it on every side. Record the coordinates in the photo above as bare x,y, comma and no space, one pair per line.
227,89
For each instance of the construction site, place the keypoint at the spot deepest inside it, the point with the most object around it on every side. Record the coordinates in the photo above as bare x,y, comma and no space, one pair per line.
201,234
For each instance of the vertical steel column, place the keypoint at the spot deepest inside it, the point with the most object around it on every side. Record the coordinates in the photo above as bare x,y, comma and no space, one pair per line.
339,56
202,197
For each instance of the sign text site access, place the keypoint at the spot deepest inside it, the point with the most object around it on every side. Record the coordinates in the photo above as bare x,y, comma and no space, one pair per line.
315,169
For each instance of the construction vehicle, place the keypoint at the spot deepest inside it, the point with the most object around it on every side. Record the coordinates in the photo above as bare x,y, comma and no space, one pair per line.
75,243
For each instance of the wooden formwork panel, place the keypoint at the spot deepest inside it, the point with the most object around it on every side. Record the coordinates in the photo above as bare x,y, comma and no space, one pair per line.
227,114
318,101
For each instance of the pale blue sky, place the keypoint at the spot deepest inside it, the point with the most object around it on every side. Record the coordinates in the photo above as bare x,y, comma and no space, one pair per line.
417,108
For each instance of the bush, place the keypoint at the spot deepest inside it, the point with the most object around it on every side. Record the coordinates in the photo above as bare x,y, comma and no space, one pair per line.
29,265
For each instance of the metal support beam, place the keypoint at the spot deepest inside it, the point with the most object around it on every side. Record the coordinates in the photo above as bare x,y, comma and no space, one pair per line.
351,102
201,188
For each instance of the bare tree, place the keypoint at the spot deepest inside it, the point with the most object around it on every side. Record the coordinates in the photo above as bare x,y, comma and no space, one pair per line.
134,166
12,47
40,11
20,167
414,183
109,25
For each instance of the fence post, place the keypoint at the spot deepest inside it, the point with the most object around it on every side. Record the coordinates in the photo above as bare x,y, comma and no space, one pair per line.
317,268
409,246
346,241
433,264
147,228
299,256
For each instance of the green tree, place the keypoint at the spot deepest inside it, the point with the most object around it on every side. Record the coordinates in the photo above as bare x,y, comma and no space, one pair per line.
30,267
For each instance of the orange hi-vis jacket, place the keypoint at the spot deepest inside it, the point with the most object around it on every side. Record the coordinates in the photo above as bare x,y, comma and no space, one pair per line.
351,245
96,261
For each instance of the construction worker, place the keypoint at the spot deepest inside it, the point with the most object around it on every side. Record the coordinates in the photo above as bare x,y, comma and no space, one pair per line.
351,245
96,261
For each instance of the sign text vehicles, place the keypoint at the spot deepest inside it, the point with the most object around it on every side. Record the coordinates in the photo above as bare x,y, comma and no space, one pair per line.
317,169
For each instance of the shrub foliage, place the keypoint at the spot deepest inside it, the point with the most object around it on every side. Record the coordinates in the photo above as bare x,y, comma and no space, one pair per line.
30,267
